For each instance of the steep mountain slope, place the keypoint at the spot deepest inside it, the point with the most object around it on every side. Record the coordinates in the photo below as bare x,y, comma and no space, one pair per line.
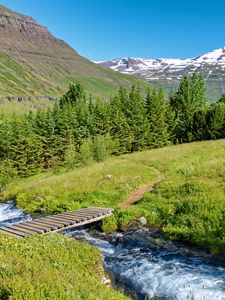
34,62
168,72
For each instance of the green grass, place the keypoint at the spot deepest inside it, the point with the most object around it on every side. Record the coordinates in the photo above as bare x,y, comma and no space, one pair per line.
189,203
81,187
51,267
18,79
14,108
40,77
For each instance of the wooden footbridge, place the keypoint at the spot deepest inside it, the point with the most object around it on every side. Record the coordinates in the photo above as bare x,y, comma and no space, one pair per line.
58,222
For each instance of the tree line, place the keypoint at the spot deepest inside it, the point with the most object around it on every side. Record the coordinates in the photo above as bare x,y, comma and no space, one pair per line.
79,130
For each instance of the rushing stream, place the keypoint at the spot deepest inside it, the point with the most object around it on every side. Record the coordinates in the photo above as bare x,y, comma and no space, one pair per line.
146,265
152,268
10,214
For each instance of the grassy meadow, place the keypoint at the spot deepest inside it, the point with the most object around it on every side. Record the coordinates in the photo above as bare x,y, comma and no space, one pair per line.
14,109
51,267
189,203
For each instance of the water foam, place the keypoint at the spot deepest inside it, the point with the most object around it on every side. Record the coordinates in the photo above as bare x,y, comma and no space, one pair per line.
152,272
10,214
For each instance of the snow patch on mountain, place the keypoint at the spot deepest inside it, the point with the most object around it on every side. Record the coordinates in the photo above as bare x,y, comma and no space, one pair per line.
162,68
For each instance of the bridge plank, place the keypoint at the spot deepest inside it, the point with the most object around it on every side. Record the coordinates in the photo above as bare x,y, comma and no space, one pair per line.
30,227
83,214
17,232
52,225
34,224
71,218
57,222
18,228
12,234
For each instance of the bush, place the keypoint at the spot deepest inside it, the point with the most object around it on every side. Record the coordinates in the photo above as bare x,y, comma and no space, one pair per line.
70,157
102,147
109,224
86,156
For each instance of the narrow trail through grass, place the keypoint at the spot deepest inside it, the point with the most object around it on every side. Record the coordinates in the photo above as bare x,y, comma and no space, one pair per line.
143,190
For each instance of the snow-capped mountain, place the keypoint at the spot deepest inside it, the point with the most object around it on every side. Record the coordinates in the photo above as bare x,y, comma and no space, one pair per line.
167,72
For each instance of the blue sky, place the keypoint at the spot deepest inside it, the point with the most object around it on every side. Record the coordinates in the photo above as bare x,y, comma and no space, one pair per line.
106,29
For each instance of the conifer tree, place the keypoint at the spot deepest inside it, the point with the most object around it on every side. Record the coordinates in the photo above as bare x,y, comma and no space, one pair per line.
156,114
119,129
100,118
189,97
215,120
25,150
199,125
74,93
134,111
44,128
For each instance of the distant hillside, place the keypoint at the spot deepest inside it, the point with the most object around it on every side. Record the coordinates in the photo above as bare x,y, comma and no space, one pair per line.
168,72
34,62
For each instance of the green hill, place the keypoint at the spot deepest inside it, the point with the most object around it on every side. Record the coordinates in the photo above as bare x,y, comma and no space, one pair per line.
33,62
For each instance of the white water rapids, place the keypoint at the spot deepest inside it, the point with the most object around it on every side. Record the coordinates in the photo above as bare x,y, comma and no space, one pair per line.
147,267
10,214
151,269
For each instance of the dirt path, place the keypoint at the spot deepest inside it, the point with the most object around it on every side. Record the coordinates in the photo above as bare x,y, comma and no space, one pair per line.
139,194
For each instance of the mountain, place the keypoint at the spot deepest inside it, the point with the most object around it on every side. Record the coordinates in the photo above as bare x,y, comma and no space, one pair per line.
34,62
168,72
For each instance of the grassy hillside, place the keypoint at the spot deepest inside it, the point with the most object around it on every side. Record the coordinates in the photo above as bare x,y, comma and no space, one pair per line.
20,79
189,203
34,62
14,109
213,91
51,267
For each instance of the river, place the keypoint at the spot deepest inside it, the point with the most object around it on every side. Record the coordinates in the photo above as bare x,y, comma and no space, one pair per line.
146,266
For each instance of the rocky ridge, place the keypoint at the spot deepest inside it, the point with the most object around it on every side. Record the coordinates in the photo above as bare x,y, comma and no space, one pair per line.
168,72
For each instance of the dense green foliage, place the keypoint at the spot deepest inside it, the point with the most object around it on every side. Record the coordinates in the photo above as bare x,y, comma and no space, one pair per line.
51,267
194,119
80,130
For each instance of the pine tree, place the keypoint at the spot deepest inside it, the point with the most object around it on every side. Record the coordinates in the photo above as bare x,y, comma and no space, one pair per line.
100,118
199,125
189,97
133,108
44,128
221,99
119,128
156,114
215,120
25,149
75,92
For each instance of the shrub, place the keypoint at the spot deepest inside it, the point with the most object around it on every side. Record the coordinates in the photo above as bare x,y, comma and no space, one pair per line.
109,224
102,147
85,155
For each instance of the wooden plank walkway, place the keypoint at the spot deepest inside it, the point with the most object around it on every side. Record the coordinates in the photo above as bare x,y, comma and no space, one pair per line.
58,222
